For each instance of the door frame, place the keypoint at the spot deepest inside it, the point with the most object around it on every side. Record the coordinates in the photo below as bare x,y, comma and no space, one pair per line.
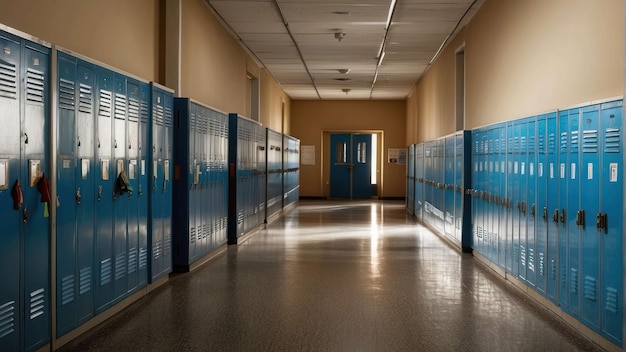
326,159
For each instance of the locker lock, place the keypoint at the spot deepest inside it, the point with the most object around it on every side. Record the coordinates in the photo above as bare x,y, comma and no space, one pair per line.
25,215
580,218
99,193
545,214
555,216
601,222
78,196
563,215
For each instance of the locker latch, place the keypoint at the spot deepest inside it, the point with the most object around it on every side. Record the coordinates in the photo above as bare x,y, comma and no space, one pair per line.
601,221
99,193
78,196
555,216
545,214
563,216
140,190
580,218
25,215
533,210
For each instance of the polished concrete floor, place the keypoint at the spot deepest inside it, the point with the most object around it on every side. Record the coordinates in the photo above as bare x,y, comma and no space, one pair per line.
337,276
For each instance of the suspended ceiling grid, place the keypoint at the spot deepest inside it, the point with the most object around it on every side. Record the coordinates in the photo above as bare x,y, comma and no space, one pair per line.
298,42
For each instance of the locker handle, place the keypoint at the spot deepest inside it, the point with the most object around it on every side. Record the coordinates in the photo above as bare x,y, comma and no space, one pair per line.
580,218
25,141
130,145
79,141
25,215
601,221
563,215
545,214
164,186
533,210
78,196
555,216
99,193
130,194
115,144
140,190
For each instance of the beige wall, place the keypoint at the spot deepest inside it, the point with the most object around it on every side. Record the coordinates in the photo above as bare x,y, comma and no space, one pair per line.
275,104
524,58
311,118
119,33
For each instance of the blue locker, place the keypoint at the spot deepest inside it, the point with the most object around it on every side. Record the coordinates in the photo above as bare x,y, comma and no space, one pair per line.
552,205
490,219
542,211
274,173
589,205
24,296
458,185
482,182
501,193
120,199
518,177
75,191
183,216
448,183
143,188
476,223
530,207
440,180
428,182
105,178
511,188
463,183
410,180
133,173
572,174
260,173
419,182
610,225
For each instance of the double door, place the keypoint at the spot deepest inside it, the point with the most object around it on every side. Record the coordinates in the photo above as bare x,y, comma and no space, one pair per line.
350,165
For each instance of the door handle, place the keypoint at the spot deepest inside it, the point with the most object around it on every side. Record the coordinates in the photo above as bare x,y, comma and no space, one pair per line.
545,214
601,221
555,216
78,196
580,218
563,215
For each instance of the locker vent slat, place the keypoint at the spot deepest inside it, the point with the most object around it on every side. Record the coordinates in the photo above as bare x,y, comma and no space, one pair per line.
143,258
589,290
531,143
541,264
35,86
85,99
37,303
541,143
106,107
105,271
7,318
8,80
563,144
120,266
563,278
551,143
144,110
133,110
523,143
157,111
573,283
612,140
552,269
192,235
120,106
156,251
167,117
67,289
132,260
590,141
85,280
67,91
611,300
574,140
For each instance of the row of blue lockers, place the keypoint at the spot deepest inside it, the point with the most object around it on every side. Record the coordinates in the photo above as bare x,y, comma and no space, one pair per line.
124,152
540,197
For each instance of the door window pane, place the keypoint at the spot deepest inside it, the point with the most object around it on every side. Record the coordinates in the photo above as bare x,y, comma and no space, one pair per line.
361,152
341,154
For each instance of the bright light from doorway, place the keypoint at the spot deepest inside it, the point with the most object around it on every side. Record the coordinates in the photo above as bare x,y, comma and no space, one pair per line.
374,157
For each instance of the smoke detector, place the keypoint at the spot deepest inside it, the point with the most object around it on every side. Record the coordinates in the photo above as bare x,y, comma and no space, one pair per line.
343,71
339,35
346,90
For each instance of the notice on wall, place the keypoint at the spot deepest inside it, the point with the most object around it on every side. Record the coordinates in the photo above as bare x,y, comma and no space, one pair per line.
396,156
307,155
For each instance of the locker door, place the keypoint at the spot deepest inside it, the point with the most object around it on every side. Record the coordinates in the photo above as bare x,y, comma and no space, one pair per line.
35,224
428,164
573,204
85,187
530,208
476,224
459,193
589,206
552,205
500,170
165,186
156,182
410,184
105,178
542,211
194,206
120,200
133,174
142,184
519,174
419,185
448,181
66,191
10,140
490,219
563,161
511,218
612,193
